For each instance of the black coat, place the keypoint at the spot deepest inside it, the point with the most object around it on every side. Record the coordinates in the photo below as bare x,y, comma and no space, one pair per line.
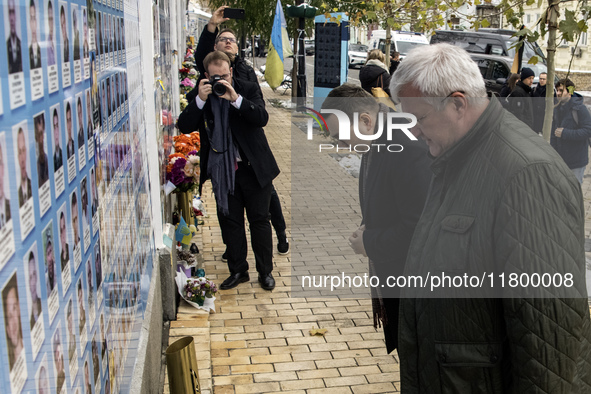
246,125
573,145
539,105
521,105
372,76
392,191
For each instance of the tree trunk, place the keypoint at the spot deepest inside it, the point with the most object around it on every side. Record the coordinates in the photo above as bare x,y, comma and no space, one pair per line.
552,19
388,46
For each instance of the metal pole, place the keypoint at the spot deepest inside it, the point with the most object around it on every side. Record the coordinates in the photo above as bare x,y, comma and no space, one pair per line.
301,86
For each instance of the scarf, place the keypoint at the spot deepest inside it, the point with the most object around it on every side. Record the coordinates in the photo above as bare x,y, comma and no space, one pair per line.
376,62
221,165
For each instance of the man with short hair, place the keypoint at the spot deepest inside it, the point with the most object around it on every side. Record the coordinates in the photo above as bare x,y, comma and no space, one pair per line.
76,34
50,262
240,164
13,44
70,148
34,48
80,121
42,162
24,191
51,58
520,102
501,201
392,191
226,42
85,47
75,224
571,128
539,95
4,200
70,329
58,360
65,40
65,249
36,309
58,160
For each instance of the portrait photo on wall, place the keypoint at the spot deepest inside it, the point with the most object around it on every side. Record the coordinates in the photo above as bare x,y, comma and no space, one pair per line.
51,15
58,149
33,280
42,162
7,245
75,227
12,28
49,259
42,377
80,134
20,134
35,61
12,322
70,143
71,339
64,247
58,359
65,44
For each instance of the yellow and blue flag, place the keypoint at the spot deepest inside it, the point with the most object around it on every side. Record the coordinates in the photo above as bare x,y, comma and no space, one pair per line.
279,49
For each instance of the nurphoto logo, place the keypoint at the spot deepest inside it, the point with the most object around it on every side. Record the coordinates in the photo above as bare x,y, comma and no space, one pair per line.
393,121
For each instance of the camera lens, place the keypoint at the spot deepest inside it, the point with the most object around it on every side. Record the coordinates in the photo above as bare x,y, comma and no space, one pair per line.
219,89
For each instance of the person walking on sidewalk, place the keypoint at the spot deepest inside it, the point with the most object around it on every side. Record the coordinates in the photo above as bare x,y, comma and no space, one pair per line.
520,101
225,40
240,164
392,191
571,127
501,201
374,74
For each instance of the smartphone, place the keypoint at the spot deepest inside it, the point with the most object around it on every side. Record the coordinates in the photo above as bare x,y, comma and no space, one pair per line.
234,13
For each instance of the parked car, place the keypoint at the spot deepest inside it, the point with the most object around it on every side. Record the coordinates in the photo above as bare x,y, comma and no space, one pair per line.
496,69
400,41
309,47
357,55
487,42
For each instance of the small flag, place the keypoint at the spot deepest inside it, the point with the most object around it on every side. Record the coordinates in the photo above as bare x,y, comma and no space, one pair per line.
183,233
279,49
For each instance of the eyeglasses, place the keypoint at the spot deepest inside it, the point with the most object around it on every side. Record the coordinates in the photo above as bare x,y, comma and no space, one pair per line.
227,39
422,118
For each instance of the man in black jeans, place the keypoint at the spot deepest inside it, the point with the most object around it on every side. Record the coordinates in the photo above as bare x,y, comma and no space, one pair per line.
226,42
239,162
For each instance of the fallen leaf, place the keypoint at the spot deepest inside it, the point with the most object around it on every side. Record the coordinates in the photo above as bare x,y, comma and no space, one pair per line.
319,331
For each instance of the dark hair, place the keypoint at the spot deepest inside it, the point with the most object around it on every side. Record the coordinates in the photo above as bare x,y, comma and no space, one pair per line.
565,82
62,12
513,78
31,256
216,57
362,102
74,201
32,4
68,107
227,30
55,113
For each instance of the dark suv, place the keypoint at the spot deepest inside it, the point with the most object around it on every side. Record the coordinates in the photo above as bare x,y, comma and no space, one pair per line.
487,42
496,69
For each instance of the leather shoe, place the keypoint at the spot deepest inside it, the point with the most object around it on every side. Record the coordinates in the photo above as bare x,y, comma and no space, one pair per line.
267,282
234,280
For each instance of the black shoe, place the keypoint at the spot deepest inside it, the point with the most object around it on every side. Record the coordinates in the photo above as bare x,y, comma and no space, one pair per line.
267,282
234,280
282,244
225,257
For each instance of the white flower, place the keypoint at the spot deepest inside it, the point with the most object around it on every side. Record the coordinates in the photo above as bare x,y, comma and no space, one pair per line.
194,159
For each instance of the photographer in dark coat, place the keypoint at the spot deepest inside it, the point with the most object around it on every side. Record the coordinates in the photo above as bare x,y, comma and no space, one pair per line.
226,42
239,162
520,101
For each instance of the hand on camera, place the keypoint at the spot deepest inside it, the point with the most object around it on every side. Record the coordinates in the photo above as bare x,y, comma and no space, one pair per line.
204,89
230,94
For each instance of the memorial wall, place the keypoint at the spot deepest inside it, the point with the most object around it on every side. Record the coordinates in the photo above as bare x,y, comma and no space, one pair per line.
76,238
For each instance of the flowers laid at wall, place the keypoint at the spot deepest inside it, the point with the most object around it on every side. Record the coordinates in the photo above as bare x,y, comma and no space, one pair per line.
183,165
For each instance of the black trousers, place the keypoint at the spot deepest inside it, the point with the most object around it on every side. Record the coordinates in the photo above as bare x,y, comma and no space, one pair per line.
249,196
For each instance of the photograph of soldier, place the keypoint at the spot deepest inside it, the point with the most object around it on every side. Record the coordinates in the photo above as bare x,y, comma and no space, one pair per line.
50,39
64,29
13,43
42,161
12,321
34,47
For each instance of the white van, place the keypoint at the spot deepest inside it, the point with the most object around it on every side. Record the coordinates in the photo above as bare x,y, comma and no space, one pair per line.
401,41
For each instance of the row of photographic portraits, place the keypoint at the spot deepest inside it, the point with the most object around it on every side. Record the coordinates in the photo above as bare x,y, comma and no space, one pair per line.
57,51
76,241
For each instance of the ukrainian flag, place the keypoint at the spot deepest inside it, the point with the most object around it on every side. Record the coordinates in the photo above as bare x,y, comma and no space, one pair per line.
279,49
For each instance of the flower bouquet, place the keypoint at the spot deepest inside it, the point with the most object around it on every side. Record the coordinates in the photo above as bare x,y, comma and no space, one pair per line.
198,292
182,170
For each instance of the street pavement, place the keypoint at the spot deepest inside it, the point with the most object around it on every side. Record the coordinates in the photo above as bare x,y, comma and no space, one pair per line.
259,341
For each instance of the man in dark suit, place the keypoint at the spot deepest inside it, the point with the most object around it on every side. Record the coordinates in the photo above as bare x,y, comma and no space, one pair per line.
85,47
24,191
76,36
4,201
58,160
64,247
13,44
80,123
42,162
240,164
70,145
65,40
34,48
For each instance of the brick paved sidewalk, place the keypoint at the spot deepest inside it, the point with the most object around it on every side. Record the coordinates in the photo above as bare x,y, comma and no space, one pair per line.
258,341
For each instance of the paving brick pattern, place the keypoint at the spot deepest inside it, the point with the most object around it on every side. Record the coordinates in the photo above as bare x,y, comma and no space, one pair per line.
258,341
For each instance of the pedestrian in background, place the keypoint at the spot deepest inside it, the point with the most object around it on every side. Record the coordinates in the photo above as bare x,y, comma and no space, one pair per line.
520,102
571,127
374,74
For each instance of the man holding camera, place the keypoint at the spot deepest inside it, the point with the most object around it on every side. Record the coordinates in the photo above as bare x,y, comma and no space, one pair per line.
226,42
239,162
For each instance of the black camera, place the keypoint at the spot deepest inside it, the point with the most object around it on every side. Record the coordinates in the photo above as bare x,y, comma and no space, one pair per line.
218,88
